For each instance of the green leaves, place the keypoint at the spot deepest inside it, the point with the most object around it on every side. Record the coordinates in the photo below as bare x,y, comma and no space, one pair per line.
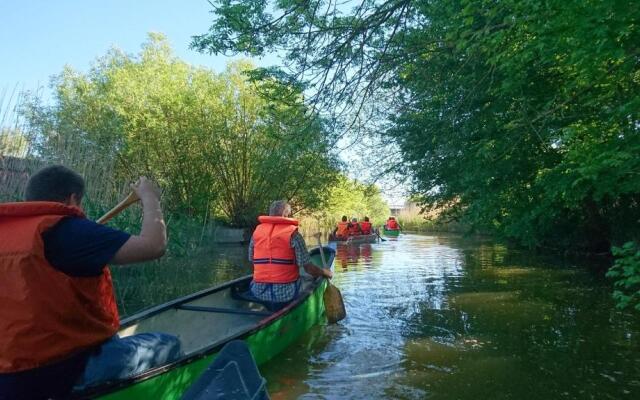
214,142
353,199
626,274
524,114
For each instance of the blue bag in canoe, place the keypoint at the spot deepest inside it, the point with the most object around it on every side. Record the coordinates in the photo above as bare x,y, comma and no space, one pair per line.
233,375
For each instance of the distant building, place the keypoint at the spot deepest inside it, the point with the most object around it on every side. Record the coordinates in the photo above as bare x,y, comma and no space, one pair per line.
396,208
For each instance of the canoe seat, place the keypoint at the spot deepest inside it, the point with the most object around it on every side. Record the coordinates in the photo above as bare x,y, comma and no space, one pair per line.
242,292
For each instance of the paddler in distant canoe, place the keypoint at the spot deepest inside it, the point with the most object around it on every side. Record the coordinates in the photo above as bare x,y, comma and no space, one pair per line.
365,226
277,251
342,229
58,314
354,227
392,224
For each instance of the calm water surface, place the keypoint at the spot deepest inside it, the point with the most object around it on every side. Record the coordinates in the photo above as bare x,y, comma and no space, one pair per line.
448,318
438,317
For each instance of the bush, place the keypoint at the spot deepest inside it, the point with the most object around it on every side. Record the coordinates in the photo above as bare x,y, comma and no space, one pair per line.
626,273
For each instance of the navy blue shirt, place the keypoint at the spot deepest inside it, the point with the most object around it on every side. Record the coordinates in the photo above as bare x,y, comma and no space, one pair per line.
78,247
81,247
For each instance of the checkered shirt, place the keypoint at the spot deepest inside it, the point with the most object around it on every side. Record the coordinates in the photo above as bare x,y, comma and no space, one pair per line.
282,292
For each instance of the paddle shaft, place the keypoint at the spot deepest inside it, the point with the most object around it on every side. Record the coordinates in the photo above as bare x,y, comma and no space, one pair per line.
130,199
324,262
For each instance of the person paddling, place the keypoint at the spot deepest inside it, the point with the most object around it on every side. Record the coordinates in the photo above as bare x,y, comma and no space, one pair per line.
365,226
392,224
58,313
342,229
354,228
277,251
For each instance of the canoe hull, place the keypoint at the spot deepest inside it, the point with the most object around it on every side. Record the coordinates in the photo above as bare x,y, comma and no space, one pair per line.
391,232
172,384
267,338
358,239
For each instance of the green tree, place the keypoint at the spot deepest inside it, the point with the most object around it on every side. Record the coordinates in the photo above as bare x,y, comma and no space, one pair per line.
522,114
355,199
213,141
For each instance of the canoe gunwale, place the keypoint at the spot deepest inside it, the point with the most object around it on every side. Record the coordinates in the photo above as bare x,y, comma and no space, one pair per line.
112,386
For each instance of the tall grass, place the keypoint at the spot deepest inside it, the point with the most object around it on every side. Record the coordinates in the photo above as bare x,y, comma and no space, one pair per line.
413,219
192,262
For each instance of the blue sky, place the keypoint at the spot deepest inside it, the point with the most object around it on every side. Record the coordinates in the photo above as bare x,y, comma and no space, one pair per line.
38,37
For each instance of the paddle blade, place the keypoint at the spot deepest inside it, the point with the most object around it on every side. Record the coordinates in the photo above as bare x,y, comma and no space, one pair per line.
333,304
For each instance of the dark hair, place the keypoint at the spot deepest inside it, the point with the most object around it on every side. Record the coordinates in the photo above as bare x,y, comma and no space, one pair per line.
54,183
344,218
366,219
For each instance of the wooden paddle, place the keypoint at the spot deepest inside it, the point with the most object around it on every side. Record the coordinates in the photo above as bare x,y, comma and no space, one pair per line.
333,304
380,237
130,199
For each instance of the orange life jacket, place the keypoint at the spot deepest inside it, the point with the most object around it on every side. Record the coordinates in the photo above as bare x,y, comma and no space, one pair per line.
354,229
343,229
365,227
392,224
274,260
46,315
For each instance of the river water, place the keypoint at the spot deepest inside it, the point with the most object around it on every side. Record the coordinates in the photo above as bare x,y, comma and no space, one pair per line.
437,317
442,317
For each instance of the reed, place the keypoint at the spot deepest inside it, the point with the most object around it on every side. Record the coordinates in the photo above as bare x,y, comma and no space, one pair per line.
188,265
413,219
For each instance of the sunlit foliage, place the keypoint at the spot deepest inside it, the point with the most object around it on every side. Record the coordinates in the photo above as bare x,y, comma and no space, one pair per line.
214,142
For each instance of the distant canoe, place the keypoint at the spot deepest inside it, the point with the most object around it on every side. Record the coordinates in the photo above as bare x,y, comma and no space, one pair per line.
356,239
205,322
390,232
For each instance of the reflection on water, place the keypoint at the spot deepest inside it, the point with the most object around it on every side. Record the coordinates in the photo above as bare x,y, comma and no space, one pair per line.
452,318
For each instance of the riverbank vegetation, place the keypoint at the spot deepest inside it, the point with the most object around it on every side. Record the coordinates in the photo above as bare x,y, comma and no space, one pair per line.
413,219
524,115
214,143
221,146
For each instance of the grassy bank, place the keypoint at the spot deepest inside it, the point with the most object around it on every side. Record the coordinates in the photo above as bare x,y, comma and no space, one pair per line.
144,285
412,219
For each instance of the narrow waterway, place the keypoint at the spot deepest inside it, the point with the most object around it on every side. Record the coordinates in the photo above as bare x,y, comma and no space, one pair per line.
450,318
437,317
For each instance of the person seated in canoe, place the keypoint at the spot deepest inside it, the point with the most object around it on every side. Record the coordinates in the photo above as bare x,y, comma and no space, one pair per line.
365,226
58,314
278,251
354,227
392,224
342,229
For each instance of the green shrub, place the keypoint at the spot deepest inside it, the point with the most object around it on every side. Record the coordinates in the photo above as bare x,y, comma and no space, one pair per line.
626,273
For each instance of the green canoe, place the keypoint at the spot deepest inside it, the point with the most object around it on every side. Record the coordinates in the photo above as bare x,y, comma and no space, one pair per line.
205,322
390,232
